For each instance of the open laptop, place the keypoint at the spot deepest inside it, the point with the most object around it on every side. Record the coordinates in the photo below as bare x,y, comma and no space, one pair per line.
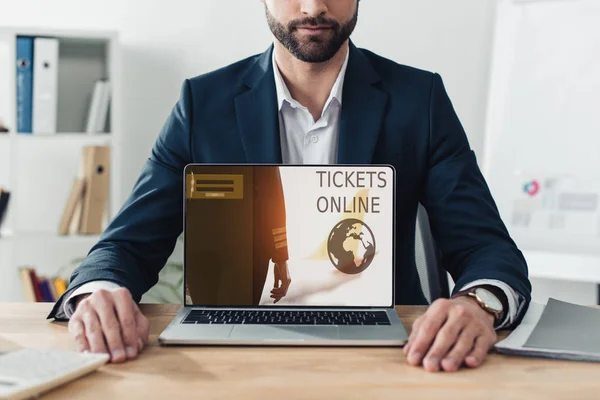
288,255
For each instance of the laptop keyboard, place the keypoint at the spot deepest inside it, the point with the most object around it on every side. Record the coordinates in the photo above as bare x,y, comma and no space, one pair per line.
295,317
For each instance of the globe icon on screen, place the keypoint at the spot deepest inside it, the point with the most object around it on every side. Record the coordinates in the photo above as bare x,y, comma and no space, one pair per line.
351,246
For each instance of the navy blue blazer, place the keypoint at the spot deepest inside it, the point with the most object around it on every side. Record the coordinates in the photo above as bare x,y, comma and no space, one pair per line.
391,114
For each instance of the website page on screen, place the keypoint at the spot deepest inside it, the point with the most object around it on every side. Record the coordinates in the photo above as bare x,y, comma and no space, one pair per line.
289,235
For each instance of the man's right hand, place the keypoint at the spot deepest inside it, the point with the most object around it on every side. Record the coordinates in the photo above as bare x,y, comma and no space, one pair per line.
282,281
109,322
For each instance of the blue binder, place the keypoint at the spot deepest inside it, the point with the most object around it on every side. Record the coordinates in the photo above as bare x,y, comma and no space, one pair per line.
24,84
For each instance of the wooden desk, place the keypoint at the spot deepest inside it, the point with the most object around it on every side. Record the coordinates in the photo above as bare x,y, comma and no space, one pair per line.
292,373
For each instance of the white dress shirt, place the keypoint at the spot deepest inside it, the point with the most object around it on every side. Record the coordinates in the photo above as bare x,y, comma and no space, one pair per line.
305,141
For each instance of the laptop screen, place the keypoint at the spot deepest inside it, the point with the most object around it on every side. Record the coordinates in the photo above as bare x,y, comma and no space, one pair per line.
292,235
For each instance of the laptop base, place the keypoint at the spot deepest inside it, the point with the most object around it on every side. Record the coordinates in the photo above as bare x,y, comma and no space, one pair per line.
176,333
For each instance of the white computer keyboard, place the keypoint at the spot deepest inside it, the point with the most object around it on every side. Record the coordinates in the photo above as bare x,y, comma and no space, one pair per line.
29,372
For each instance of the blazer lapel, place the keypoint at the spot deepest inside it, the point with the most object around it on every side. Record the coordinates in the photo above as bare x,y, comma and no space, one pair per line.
363,108
257,115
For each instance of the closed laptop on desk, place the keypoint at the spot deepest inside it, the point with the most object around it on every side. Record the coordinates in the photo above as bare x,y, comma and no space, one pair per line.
288,255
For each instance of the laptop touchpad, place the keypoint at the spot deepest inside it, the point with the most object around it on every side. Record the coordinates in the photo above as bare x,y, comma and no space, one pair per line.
208,332
291,333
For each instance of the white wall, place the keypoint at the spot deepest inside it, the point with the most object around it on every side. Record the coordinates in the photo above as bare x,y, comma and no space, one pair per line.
167,41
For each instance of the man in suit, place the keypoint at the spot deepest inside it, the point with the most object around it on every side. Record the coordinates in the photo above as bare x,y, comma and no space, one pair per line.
231,241
313,97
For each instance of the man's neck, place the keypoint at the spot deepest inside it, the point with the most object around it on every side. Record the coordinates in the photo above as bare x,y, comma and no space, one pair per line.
309,83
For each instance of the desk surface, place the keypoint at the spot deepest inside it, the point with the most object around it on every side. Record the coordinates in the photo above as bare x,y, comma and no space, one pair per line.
292,373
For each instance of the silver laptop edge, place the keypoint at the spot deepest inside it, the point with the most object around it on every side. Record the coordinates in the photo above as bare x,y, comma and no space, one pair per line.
177,333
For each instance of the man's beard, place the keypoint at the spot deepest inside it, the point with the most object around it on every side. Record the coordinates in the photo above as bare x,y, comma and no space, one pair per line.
315,49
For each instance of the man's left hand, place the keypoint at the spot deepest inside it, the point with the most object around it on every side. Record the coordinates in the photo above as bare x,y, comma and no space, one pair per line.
450,333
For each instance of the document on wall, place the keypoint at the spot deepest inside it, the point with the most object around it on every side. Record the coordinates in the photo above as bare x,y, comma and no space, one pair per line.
551,202
549,211
558,330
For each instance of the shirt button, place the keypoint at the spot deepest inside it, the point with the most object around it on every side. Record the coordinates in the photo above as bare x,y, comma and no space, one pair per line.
314,139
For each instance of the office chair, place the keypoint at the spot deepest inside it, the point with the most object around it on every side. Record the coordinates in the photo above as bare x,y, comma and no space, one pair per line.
434,279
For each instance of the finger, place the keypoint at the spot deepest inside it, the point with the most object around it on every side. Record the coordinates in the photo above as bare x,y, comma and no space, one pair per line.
280,292
456,356
406,348
79,298
111,326
445,339
415,328
282,288
480,350
428,329
412,335
276,298
124,307
142,326
77,330
93,330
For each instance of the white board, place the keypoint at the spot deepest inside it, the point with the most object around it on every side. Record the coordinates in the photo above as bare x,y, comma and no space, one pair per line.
542,139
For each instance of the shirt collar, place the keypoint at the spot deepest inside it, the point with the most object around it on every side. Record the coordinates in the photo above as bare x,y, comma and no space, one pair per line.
284,95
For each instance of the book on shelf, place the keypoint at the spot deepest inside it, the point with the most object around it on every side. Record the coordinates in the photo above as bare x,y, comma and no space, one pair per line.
85,210
24,84
45,85
3,128
40,288
45,289
4,197
98,109
96,173
27,284
72,210
35,283
104,106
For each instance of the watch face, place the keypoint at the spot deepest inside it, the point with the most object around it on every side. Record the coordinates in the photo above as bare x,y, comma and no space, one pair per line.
489,299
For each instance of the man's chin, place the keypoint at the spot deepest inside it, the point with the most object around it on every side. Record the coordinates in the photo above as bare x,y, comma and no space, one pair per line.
314,51
313,58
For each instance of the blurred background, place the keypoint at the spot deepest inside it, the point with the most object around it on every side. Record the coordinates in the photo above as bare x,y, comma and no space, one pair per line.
520,75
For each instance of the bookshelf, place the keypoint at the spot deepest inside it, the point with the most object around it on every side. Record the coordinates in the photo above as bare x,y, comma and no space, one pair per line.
38,169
